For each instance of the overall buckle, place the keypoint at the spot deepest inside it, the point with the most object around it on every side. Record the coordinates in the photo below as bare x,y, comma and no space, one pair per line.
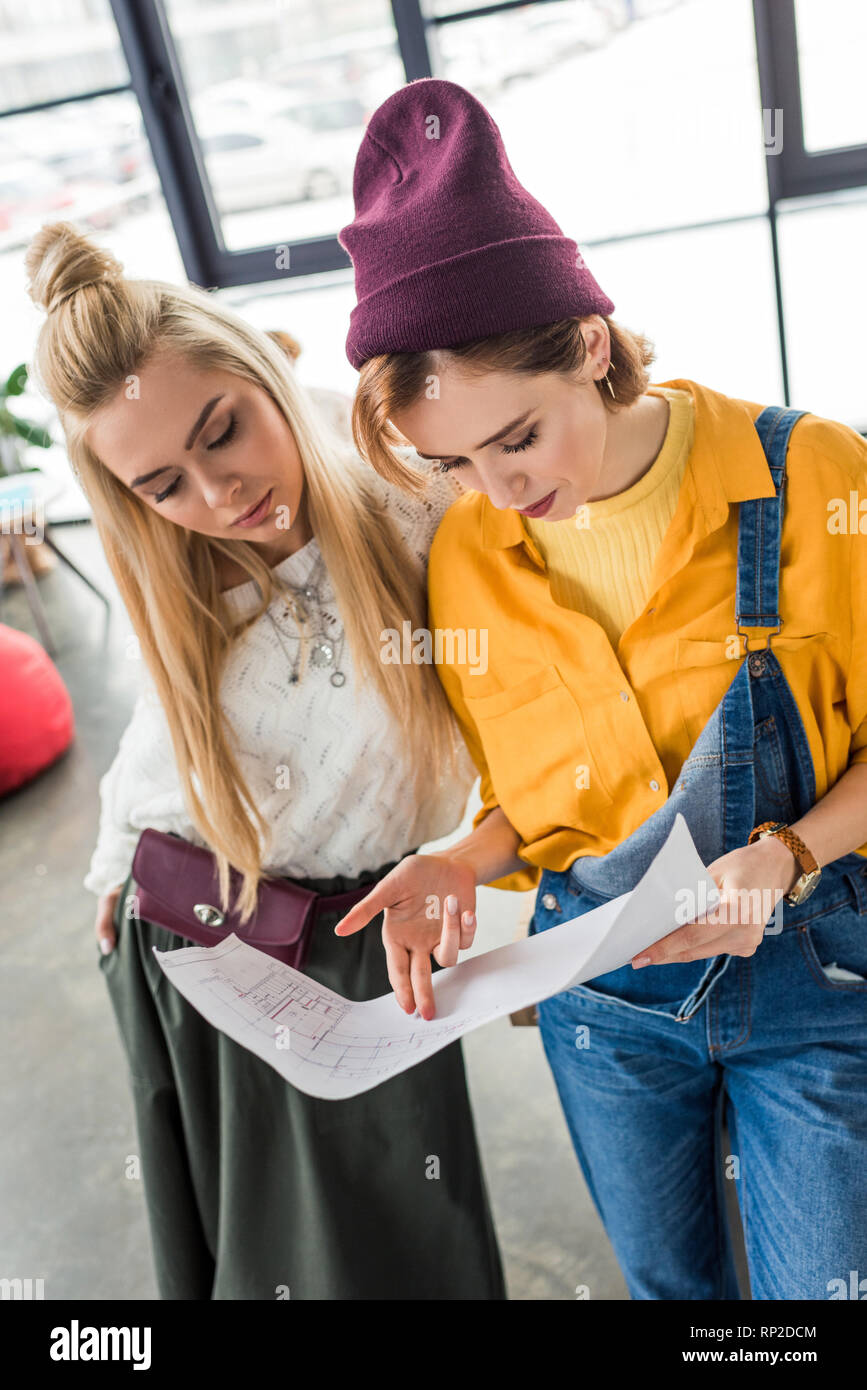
748,633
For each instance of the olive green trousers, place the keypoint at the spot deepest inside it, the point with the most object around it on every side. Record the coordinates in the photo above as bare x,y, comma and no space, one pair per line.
255,1190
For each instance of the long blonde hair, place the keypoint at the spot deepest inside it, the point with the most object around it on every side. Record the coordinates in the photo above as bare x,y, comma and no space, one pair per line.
101,328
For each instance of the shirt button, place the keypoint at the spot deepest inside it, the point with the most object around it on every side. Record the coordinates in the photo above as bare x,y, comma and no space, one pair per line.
654,785
549,901
624,694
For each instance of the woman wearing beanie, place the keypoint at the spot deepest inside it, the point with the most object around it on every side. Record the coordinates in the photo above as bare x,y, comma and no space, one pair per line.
675,615
258,560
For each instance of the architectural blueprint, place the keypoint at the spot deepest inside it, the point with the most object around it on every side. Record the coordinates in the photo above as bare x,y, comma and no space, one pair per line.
333,1047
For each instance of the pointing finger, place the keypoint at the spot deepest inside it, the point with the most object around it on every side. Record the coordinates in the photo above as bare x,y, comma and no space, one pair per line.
358,916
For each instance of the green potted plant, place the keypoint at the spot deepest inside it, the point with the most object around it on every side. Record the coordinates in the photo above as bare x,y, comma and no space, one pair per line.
14,429
15,433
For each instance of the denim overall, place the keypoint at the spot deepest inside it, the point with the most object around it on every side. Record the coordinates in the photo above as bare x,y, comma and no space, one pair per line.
647,1061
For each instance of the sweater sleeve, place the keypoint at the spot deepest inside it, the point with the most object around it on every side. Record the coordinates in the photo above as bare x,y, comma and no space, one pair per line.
140,788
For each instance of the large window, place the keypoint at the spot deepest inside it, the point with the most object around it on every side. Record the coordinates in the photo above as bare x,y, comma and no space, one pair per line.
72,147
279,96
621,127
702,154
832,47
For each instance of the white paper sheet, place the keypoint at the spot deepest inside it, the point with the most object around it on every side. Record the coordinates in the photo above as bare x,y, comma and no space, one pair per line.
332,1047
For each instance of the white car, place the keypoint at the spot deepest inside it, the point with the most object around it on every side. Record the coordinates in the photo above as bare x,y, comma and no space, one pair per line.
261,157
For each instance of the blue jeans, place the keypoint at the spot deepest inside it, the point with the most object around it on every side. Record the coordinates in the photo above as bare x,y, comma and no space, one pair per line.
644,1062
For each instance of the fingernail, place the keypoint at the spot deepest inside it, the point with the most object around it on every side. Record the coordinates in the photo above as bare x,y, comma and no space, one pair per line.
469,919
451,903
640,961
104,945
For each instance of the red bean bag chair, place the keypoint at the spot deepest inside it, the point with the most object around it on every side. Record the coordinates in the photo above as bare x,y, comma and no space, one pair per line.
36,719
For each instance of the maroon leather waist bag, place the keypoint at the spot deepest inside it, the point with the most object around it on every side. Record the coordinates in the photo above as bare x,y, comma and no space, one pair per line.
178,889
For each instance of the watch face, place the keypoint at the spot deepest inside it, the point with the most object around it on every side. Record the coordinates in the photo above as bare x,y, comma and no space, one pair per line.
804,887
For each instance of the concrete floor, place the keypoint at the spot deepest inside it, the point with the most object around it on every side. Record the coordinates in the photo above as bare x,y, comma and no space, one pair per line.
70,1216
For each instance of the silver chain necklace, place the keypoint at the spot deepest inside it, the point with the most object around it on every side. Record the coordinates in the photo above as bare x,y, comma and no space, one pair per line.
327,646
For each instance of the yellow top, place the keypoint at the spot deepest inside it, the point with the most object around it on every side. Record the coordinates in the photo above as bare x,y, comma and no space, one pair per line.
600,561
580,741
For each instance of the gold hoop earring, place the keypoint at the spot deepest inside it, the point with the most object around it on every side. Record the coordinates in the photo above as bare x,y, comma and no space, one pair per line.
609,368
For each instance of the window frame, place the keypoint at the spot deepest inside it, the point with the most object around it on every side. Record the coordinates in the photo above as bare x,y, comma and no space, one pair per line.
796,172
794,175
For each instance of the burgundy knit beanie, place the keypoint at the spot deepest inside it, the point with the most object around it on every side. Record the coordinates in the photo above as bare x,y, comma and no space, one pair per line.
446,244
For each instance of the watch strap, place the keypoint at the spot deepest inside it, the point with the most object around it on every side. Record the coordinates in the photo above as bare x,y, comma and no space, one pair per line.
810,873
804,856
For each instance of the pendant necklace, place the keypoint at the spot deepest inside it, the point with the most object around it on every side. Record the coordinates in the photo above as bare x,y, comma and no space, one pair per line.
326,646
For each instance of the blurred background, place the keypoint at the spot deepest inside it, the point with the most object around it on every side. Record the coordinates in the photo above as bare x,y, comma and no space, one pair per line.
710,159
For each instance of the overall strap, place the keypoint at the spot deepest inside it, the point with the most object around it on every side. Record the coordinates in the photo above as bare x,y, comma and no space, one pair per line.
760,527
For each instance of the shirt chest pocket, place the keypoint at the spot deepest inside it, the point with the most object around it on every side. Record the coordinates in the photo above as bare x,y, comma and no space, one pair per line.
543,769
705,670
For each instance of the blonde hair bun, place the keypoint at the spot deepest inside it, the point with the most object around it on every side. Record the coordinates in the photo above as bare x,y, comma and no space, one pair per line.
60,260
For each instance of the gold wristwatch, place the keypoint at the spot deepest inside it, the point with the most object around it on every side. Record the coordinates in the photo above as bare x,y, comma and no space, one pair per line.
810,871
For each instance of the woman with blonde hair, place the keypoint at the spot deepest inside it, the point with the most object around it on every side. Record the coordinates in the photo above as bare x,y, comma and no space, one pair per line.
259,561
674,597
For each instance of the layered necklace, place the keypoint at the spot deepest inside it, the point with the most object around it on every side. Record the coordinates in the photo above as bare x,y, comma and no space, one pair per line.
326,634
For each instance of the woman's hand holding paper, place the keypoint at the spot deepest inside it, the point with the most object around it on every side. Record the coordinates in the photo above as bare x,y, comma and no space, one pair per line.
751,880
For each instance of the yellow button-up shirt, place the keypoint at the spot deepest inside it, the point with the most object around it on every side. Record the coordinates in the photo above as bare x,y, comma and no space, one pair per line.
579,741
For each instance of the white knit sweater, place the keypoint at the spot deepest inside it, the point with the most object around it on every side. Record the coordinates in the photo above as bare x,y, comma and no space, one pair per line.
348,806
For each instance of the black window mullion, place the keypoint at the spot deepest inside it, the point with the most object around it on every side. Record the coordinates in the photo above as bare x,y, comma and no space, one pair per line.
36,106
158,84
411,28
